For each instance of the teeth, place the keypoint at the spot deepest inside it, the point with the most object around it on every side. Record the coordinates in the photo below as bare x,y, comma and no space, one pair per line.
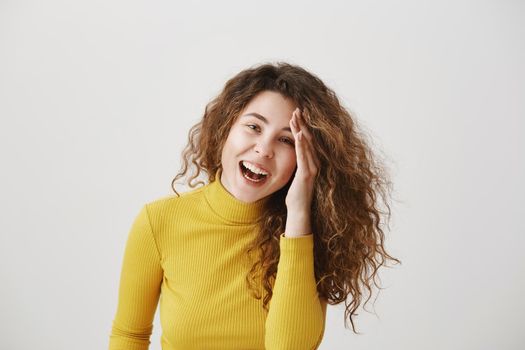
252,180
254,168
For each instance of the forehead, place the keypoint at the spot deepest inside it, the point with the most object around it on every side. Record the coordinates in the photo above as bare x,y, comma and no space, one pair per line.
272,105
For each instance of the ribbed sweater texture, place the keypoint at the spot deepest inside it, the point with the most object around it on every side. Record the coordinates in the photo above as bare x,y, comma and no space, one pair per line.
189,253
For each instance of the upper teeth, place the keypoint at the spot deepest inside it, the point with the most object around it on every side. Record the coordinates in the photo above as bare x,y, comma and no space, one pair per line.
254,168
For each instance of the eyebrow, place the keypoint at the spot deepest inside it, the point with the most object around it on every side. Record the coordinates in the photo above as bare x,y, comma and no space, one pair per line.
263,119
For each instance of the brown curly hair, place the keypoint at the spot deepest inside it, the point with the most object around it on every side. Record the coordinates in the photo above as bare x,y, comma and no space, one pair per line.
346,215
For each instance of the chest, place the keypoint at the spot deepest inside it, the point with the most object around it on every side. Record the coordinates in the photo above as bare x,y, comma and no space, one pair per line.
205,301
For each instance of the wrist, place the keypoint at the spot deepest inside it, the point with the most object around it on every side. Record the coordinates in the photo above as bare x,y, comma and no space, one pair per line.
297,224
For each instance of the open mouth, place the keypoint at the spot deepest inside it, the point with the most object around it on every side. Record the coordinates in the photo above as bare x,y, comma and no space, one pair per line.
250,175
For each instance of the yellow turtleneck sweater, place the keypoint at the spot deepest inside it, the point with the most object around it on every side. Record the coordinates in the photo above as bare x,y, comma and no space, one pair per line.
189,251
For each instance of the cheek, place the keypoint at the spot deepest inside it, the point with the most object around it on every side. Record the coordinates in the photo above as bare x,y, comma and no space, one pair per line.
291,163
230,145
236,139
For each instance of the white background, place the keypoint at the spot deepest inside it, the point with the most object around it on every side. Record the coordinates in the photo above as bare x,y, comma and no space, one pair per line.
97,98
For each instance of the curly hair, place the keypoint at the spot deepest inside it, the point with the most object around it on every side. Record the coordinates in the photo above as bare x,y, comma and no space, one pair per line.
346,208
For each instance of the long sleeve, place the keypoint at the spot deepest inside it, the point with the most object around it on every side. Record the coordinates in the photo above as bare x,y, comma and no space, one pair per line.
139,290
296,317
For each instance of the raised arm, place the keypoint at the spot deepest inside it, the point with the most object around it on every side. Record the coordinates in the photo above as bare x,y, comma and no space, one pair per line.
296,316
139,289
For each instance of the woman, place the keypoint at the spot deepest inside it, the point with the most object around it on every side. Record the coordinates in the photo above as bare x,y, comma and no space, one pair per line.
288,222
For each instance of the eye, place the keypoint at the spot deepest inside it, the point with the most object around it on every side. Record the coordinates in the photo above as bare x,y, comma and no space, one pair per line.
287,140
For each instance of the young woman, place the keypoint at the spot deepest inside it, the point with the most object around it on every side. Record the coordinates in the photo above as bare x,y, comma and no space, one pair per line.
288,222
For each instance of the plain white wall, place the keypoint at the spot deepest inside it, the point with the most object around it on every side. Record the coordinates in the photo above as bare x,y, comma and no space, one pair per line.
97,98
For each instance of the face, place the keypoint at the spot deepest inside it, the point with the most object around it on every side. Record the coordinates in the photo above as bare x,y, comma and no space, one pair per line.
261,137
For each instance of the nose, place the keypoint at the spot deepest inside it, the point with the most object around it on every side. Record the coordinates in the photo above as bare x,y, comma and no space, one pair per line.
264,149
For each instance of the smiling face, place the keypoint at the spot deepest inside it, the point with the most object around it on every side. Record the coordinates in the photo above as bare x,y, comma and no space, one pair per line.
261,136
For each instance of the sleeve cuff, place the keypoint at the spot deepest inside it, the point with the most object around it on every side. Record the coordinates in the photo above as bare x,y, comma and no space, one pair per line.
296,257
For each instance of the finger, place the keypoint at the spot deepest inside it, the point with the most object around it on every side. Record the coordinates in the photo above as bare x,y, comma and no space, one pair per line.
302,160
293,124
308,151
307,141
301,150
302,125
306,147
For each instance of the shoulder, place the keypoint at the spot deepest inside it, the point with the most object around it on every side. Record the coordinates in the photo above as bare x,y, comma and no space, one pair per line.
168,203
164,212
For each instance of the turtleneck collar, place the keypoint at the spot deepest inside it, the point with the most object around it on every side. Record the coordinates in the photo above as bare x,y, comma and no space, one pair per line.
228,207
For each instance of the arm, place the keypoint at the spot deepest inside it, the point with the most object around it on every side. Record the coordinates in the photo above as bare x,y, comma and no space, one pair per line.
296,317
139,290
